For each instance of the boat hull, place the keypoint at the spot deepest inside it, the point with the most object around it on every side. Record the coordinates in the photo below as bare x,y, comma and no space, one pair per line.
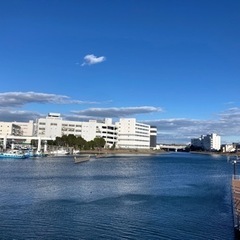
12,156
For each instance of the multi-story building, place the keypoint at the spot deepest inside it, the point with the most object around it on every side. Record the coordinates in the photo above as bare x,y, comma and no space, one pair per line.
54,126
9,128
210,142
27,128
153,137
132,134
127,133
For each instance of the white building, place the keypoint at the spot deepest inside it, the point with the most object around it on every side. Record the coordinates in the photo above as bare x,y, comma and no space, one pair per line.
228,148
132,134
54,126
27,128
210,142
127,133
9,128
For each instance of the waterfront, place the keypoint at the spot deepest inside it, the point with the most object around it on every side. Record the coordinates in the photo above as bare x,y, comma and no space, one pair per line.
166,196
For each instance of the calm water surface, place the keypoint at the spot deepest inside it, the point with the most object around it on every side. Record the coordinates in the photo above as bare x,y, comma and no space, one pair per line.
169,196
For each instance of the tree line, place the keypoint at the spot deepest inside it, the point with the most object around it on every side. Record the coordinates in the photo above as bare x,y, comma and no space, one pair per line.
76,142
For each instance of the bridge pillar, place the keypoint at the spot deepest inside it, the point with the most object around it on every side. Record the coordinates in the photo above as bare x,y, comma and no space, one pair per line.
45,146
39,145
12,144
4,142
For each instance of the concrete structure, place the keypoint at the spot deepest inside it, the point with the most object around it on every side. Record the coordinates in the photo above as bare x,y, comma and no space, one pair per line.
153,137
54,126
9,128
171,147
27,128
228,148
132,134
24,139
127,133
210,142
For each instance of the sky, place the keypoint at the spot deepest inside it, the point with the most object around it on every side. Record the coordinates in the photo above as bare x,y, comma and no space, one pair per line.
173,64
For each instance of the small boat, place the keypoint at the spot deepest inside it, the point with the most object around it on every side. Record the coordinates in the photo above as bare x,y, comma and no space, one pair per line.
31,153
60,152
81,159
14,154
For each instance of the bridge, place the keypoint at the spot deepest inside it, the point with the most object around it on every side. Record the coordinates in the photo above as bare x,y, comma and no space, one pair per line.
172,147
13,139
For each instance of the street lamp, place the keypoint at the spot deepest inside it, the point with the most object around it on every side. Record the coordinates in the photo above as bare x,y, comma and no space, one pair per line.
234,168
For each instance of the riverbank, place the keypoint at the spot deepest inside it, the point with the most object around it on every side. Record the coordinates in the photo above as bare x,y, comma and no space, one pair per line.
122,151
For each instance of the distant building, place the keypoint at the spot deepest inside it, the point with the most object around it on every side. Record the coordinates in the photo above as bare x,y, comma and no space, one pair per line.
228,148
210,142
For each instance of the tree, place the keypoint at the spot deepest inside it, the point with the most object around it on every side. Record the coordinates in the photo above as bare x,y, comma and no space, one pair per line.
99,142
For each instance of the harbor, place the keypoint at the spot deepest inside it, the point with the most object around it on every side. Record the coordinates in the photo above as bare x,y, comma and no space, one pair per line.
165,196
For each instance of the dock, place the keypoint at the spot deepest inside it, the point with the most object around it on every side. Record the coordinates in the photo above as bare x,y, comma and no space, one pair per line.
236,202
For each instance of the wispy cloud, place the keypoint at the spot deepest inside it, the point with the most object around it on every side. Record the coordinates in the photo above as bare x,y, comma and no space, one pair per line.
183,130
91,59
116,112
174,130
18,99
18,116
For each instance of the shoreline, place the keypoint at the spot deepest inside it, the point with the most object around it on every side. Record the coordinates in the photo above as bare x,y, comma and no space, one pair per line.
121,151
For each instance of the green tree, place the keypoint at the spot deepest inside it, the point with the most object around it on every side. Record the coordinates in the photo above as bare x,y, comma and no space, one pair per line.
99,142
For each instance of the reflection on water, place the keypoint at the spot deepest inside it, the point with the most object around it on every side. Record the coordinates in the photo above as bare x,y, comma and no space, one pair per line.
172,196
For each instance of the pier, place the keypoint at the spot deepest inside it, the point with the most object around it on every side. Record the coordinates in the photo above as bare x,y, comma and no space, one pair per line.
236,202
236,197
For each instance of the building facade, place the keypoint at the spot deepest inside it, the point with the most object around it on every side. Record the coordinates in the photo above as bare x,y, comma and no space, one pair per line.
9,128
54,126
27,128
132,134
210,142
153,137
127,133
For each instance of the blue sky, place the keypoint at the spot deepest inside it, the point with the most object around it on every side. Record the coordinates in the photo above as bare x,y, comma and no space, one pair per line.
169,63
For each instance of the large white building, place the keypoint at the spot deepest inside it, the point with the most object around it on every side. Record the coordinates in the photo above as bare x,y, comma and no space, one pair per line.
54,126
210,142
132,134
126,133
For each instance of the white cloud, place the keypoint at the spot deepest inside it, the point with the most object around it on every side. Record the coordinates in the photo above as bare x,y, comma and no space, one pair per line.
18,115
18,99
91,59
116,112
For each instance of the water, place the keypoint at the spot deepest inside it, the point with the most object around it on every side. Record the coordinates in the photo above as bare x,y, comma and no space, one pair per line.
169,196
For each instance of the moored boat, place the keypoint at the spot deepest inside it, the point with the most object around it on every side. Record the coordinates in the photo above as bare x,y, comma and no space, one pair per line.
15,154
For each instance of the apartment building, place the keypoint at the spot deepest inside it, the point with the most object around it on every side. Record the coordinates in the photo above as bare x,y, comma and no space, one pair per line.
132,134
210,142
